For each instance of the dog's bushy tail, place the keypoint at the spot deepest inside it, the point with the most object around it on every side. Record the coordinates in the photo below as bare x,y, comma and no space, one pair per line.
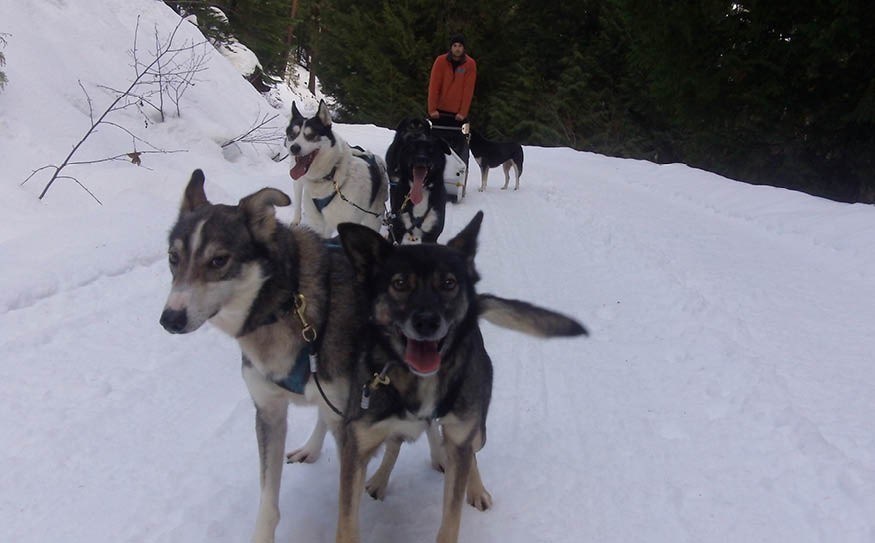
527,318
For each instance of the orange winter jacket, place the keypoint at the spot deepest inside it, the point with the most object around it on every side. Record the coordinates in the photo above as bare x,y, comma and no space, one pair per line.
450,90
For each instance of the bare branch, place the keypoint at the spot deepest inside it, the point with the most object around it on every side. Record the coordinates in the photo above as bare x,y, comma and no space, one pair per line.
256,134
88,98
78,183
36,171
127,156
160,77
162,74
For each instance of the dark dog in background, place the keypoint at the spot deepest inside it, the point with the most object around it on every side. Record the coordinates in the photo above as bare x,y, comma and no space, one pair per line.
492,154
415,162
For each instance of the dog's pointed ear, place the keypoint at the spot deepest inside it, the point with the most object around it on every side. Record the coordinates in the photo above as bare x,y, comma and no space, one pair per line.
295,113
194,196
260,214
364,248
323,114
466,240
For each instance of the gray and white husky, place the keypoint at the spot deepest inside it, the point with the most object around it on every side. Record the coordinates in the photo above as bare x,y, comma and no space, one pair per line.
333,182
272,288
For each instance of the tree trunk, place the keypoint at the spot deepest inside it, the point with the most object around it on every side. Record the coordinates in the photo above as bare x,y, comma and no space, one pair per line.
311,84
317,28
290,37
290,33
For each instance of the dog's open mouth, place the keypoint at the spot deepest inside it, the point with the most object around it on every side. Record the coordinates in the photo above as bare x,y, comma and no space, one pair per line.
302,165
422,357
420,172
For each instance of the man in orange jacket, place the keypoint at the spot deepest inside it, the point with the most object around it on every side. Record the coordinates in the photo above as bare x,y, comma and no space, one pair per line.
451,86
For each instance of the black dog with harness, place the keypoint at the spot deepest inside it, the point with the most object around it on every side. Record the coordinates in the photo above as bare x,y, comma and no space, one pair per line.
418,198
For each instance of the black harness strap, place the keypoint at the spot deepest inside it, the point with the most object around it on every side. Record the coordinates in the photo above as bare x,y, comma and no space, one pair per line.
307,361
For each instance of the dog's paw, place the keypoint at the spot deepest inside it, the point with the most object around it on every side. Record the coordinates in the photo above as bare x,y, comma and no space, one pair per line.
480,190
303,456
376,487
482,499
503,188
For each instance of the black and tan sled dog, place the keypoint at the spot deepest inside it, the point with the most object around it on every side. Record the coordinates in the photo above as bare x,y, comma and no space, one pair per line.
426,368
314,329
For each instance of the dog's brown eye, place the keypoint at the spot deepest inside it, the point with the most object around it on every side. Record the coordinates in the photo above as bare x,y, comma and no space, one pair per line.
401,284
173,258
449,283
219,261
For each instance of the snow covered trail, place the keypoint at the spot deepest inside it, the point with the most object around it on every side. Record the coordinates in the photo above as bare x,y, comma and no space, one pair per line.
724,396
718,399
714,399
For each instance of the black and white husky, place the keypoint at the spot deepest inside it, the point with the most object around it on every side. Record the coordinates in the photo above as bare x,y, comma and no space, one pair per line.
492,154
333,182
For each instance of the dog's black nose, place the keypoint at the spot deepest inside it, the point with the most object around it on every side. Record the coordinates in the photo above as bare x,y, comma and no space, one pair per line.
174,321
294,148
426,323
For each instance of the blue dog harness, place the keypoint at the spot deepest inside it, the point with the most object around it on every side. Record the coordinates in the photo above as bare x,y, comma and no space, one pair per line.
297,379
322,203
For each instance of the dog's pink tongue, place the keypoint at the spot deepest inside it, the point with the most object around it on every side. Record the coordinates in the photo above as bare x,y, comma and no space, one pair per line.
300,167
419,174
302,164
423,356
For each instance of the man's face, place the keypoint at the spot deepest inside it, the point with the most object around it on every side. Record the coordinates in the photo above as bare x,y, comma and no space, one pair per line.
457,50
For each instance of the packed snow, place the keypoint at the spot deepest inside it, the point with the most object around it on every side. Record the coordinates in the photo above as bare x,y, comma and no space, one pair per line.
725,393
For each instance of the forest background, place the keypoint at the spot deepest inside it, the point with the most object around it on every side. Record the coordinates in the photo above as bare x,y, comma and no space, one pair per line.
776,92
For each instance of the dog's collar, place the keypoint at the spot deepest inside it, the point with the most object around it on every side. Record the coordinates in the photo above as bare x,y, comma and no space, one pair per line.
282,311
330,176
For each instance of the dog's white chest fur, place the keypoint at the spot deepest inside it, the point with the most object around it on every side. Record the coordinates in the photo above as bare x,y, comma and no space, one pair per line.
413,233
412,425
344,179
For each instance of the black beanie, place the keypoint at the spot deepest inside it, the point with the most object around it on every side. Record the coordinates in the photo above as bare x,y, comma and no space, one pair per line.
457,38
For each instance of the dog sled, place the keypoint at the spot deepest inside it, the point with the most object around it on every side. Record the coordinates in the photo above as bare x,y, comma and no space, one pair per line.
458,137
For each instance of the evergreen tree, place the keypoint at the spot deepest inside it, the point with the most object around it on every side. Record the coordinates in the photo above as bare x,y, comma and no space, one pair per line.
776,91
375,56
211,24
262,25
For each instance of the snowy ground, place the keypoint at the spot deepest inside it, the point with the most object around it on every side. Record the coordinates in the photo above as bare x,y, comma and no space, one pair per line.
724,396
